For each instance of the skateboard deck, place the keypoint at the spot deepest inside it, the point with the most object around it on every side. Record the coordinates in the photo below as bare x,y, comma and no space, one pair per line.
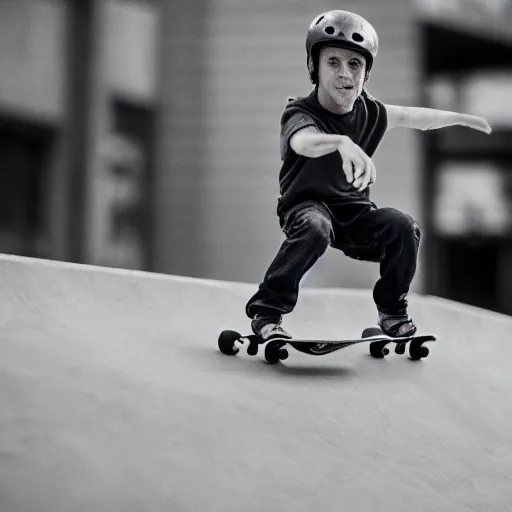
275,348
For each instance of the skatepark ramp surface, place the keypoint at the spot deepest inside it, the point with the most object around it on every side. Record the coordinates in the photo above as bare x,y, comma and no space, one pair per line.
115,397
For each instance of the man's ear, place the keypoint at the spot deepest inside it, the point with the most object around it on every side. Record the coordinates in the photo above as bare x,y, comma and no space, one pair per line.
311,70
310,65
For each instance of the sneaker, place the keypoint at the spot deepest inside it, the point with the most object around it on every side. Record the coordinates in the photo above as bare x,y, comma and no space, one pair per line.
396,325
268,328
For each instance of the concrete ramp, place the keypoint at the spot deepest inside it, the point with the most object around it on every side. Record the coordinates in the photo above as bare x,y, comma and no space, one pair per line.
114,397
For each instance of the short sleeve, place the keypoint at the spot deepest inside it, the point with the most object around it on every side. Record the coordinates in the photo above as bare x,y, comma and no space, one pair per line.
377,121
291,124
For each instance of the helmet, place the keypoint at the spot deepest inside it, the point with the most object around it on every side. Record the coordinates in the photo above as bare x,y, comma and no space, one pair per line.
343,29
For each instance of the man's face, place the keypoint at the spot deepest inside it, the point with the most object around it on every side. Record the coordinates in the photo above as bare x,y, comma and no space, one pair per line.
341,75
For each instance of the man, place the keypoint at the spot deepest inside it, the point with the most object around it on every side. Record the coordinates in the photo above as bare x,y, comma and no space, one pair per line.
327,140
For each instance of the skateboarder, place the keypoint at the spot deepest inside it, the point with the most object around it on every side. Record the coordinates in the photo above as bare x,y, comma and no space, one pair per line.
327,140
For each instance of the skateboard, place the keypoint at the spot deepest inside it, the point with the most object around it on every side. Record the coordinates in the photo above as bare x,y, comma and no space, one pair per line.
275,348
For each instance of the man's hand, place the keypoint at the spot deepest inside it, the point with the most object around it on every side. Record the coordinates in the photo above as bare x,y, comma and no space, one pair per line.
475,122
357,165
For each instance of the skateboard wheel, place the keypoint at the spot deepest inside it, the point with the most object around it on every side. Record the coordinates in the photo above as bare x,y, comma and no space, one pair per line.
283,354
400,348
226,342
417,353
252,349
377,350
272,353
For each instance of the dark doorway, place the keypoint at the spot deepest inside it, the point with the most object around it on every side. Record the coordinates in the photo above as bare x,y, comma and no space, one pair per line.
24,152
467,178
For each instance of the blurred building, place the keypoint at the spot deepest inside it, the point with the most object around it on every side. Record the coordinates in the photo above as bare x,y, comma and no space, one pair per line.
145,134
78,96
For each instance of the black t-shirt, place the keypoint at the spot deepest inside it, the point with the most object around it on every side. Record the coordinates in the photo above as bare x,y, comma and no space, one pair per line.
322,179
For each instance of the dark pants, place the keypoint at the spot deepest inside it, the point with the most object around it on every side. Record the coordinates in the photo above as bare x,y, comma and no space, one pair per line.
362,232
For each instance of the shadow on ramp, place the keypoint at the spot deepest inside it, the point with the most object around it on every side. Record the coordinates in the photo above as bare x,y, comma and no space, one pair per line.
337,372
258,365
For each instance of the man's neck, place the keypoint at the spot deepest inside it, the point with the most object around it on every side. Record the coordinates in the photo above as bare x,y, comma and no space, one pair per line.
331,106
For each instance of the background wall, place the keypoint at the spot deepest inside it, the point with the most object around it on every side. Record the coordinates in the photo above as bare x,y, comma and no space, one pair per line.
145,134
33,58
249,58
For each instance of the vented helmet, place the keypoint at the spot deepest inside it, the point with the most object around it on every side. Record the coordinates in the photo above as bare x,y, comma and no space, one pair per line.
343,29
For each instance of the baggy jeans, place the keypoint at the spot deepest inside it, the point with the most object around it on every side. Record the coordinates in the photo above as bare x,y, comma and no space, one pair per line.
362,232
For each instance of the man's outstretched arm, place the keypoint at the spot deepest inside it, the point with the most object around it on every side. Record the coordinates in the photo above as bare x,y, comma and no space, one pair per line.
420,118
